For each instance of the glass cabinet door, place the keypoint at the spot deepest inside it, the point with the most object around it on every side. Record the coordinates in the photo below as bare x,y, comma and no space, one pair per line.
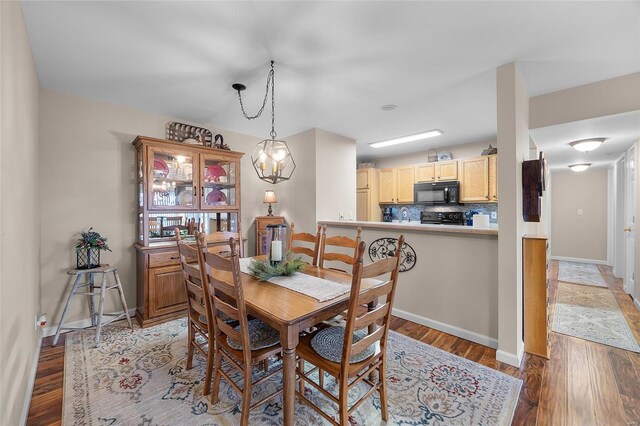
171,180
218,183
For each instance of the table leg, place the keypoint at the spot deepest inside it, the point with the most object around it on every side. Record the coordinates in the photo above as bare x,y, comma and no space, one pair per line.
76,282
289,344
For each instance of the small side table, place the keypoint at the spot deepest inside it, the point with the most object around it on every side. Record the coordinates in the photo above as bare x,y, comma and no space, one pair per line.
93,290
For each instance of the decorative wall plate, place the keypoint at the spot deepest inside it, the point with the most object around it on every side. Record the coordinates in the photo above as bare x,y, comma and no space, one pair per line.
383,248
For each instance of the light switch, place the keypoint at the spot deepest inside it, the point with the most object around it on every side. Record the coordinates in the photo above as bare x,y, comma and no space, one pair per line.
579,211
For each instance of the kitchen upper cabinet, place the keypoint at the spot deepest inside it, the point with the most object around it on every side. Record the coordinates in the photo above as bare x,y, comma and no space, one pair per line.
426,172
443,170
388,186
447,170
362,178
405,180
474,185
493,178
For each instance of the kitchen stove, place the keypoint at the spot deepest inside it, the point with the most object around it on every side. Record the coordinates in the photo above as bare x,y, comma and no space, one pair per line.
443,217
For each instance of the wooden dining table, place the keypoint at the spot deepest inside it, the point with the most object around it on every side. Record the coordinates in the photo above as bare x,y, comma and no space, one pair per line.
291,312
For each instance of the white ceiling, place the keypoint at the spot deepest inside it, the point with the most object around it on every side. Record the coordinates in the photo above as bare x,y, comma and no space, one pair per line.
621,131
336,62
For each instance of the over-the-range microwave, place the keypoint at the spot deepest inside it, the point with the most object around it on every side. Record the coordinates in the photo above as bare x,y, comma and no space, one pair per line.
436,192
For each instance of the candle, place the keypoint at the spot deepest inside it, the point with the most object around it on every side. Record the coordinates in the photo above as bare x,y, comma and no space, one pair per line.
276,251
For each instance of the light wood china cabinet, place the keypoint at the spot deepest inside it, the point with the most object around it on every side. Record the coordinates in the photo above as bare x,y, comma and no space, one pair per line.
182,186
437,171
367,195
396,185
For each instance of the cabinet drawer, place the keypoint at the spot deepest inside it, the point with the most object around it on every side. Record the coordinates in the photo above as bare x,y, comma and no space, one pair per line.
167,258
262,223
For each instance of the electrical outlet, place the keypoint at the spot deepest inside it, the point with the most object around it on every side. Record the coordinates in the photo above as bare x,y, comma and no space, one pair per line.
494,215
341,216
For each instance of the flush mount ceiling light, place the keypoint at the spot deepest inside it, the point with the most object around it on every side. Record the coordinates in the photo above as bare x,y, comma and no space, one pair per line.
580,167
586,145
271,157
389,107
405,139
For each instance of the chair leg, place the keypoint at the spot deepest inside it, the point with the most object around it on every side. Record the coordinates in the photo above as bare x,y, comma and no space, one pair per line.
207,379
216,376
343,404
73,290
190,343
122,299
382,376
246,397
321,378
300,373
103,287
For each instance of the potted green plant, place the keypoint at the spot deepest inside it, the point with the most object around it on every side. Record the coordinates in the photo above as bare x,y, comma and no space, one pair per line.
88,248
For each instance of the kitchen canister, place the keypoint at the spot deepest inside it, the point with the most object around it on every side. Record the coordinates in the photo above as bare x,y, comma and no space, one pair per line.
480,220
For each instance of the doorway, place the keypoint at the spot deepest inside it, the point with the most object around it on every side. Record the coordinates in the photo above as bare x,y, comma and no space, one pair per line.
619,236
629,228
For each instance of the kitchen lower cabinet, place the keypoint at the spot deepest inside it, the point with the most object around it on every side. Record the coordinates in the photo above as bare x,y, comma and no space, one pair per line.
474,182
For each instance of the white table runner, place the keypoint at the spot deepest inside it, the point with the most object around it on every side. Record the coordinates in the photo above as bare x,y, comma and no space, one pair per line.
318,288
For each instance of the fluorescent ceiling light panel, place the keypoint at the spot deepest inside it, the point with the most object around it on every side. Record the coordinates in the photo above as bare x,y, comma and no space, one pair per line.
405,139
586,145
580,167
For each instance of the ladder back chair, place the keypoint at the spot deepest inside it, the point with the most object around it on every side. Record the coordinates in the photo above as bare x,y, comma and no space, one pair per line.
218,242
363,352
244,346
305,237
199,320
339,241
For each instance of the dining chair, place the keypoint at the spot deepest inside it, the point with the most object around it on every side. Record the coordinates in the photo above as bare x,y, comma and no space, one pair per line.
342,242
305,237
218,242
352,353
199,321
244,346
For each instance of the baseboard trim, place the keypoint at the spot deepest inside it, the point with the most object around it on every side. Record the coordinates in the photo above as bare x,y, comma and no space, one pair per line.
510,358
83,323
577,259
446,328
32,381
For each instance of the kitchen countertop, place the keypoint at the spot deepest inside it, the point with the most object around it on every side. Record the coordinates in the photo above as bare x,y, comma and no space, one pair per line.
414,226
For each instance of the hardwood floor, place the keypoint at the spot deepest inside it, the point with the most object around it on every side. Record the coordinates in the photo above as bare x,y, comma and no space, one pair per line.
584,383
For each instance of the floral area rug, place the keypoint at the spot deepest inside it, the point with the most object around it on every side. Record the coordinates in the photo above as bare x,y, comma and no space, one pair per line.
593,314
580,273
139,378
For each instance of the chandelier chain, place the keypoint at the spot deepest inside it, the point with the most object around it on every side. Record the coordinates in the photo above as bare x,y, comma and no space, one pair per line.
270,80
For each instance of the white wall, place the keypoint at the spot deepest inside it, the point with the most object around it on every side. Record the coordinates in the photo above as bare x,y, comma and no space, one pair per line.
335,176
457,152
574,235
513,140
19,215
87,179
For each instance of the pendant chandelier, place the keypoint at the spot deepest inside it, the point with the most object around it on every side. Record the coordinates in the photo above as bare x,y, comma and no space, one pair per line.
271,158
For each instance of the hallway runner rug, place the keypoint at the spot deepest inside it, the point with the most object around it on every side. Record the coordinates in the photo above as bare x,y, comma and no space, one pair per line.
593,314
139,378
580,273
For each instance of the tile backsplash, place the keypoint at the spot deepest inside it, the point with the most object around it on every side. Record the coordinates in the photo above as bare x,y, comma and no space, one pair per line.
414,210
